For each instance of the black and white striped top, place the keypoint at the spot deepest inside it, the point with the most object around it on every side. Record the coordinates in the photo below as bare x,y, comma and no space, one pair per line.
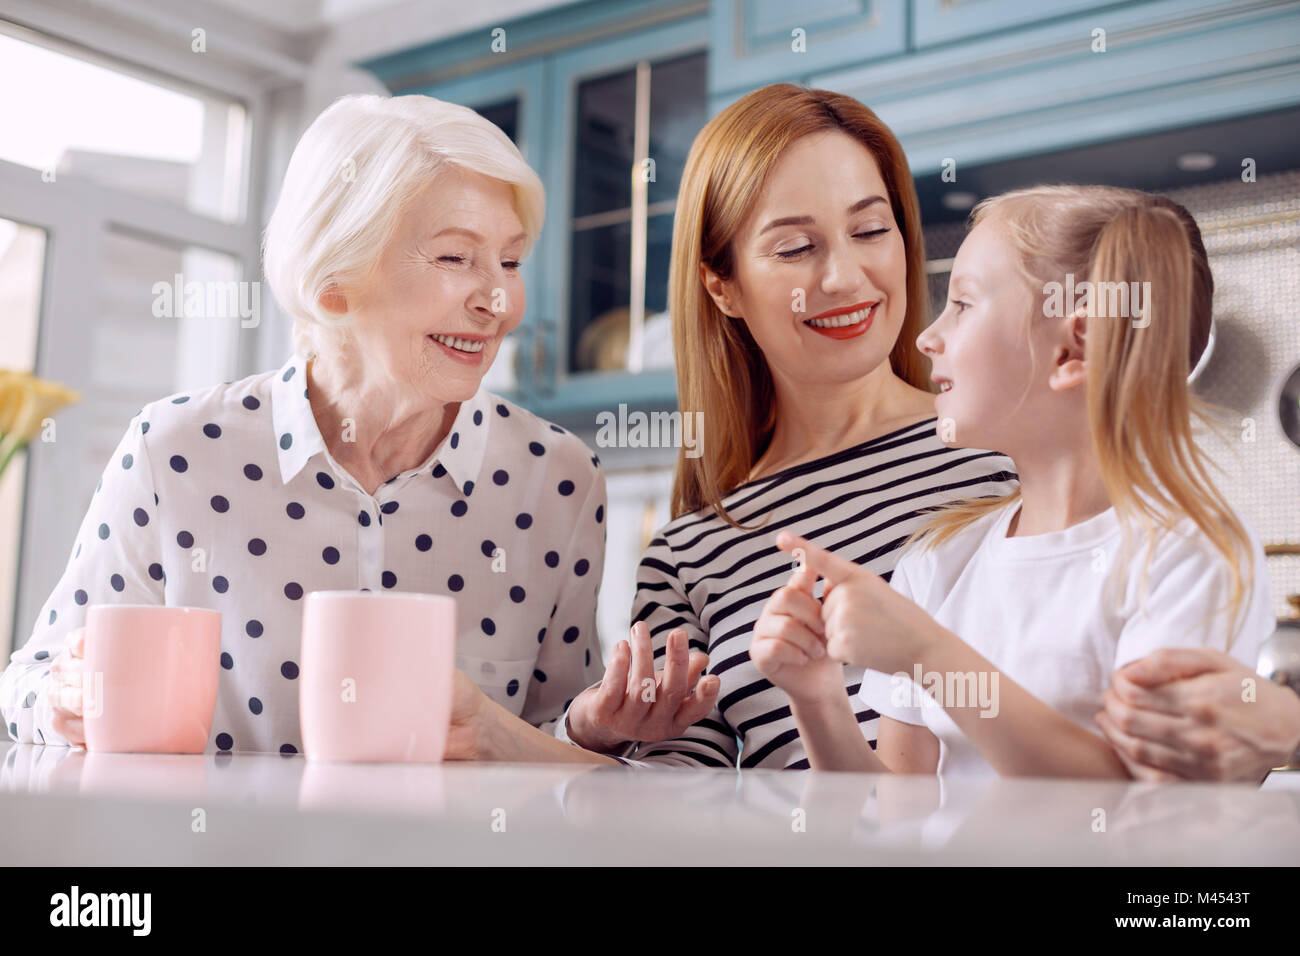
711,579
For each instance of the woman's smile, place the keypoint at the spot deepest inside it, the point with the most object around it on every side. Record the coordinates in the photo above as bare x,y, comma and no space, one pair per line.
466,349
847,323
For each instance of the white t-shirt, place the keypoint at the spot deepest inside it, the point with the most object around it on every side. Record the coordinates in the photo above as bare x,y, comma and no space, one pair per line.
1039,608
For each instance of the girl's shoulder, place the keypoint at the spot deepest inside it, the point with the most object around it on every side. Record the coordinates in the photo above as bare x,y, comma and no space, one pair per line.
929,557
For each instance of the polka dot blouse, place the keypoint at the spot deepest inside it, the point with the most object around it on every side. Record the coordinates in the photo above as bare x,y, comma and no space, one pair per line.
227,498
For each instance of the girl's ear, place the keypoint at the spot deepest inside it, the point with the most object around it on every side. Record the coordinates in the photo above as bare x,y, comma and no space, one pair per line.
717,290
1070,368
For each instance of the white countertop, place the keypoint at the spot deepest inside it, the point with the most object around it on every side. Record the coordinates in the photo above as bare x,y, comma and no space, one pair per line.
68,807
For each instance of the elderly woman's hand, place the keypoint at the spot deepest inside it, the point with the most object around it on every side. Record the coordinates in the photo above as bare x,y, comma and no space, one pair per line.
1180,712
65,689
636,702
467,713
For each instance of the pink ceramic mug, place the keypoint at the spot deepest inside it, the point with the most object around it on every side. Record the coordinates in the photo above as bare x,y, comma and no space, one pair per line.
149,680
376,675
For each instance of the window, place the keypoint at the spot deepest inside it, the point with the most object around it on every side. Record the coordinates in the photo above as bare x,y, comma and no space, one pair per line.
76,117
22,259
123,215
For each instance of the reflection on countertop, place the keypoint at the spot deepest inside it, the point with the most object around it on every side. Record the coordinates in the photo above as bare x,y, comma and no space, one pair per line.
66,806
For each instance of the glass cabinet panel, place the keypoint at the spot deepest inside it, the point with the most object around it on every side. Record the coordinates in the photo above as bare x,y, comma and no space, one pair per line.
667,100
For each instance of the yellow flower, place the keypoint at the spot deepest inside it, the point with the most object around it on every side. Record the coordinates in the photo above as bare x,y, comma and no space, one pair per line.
25,402
11,399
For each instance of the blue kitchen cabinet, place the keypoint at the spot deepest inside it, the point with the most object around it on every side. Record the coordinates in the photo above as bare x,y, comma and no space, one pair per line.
975,81
951,21
756,42
544,91
1041,88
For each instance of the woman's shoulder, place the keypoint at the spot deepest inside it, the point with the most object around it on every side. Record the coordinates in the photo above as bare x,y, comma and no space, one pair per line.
523,434
212,408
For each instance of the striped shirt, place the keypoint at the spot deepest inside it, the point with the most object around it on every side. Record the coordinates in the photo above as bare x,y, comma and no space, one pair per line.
712,579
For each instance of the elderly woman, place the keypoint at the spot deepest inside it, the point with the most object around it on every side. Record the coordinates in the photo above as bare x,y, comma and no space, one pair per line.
371,460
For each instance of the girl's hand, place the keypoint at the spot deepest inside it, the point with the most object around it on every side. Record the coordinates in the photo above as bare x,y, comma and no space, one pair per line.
867,623
64,689
789,644
636,702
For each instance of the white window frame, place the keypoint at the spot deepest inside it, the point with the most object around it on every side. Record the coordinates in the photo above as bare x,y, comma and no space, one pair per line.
77,214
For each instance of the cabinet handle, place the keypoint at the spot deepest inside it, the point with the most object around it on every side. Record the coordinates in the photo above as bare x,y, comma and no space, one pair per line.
543,374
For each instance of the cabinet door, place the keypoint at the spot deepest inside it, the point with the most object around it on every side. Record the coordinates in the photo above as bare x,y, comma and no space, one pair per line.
756,42
944,21
609,214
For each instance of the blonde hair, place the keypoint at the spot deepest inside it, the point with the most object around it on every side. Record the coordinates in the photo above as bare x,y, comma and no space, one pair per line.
350,179
1140,406
720,367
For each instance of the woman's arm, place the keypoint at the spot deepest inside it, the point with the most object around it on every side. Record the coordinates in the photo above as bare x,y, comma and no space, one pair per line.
1195,713
568,652
681,722
116,559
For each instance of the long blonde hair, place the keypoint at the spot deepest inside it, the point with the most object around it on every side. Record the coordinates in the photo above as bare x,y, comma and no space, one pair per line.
1140,406
720,368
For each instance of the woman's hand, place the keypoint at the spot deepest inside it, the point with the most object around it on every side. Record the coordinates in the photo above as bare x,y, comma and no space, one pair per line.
65,689
1182,713
866,622
789,645
464,741
636,702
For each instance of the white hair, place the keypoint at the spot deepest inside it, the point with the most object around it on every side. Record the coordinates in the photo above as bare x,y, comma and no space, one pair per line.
348,182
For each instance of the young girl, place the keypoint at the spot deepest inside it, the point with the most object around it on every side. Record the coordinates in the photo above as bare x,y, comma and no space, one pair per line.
990,648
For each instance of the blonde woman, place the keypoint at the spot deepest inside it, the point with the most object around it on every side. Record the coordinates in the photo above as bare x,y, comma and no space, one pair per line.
1116,545
797,290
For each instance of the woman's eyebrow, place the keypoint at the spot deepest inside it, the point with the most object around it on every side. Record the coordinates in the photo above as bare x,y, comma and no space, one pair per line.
474,235
808,220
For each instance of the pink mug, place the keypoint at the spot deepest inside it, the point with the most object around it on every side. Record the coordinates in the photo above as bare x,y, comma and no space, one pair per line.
149,680
375,679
